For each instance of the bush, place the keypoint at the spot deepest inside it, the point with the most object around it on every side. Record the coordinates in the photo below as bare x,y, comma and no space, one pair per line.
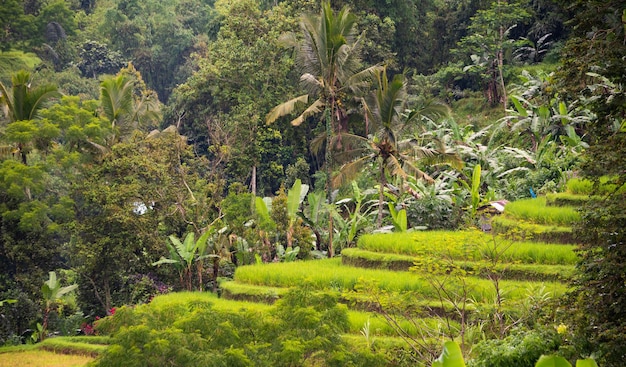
187,330
522,348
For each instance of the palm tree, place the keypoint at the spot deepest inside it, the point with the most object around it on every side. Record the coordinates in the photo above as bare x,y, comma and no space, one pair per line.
328,57
123,108
385,111
22,102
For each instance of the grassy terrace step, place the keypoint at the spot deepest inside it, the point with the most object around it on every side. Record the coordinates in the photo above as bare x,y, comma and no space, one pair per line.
330,274
566,199
251,293
513,271
357,319
521,230
536,211
237,291
467,246
75,345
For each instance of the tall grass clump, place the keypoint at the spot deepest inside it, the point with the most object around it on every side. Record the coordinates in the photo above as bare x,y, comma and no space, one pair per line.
536,211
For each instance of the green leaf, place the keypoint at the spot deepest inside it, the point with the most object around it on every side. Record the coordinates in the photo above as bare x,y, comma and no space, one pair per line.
552,361
293,199
450,357
589,362
518,106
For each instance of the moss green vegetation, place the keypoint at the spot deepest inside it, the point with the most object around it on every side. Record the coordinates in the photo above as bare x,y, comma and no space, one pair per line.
535,210
467,245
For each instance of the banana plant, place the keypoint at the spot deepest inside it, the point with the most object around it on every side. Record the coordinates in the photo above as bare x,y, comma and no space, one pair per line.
295,196
451,356
558,361
312,218
348,228
398,218
52,292
183,255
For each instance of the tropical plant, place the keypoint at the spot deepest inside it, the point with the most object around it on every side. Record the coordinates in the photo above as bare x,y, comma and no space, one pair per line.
123,108
350,219
385,111
451,356
329,58
22,103
52,294
183,255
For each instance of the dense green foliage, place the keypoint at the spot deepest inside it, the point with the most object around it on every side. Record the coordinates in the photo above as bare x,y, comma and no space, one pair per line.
302,329
129,126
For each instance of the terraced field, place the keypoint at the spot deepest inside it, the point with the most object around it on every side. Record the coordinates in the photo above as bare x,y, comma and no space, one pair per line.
421,266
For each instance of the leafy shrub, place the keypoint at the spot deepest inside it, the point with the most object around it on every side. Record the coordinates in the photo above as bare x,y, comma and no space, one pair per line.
433,213
16,318
186,330
522,348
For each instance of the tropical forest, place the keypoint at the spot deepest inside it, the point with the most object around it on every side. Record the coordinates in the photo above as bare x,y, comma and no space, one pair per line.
313,183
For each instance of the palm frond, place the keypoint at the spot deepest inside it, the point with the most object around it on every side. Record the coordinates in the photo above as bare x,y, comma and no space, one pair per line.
286,108
313,109
351,170
414,171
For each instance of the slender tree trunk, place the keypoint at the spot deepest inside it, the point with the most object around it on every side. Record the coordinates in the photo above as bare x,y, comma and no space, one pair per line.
381,195
253,181
329,188
501,67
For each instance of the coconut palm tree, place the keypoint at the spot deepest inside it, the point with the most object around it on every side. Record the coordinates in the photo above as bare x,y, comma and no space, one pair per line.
385,111
22,102
123,108
328,57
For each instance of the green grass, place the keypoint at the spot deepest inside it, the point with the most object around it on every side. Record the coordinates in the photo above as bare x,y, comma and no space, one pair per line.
520,230
252,293
513,271
63,345
466,245
42,358
579,186
536,211
330,274
566,199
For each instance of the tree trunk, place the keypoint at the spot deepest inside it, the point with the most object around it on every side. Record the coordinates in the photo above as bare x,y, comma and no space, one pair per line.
253,181
381,195
329,188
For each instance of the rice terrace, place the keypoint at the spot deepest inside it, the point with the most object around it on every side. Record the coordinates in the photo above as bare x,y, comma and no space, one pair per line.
304,183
